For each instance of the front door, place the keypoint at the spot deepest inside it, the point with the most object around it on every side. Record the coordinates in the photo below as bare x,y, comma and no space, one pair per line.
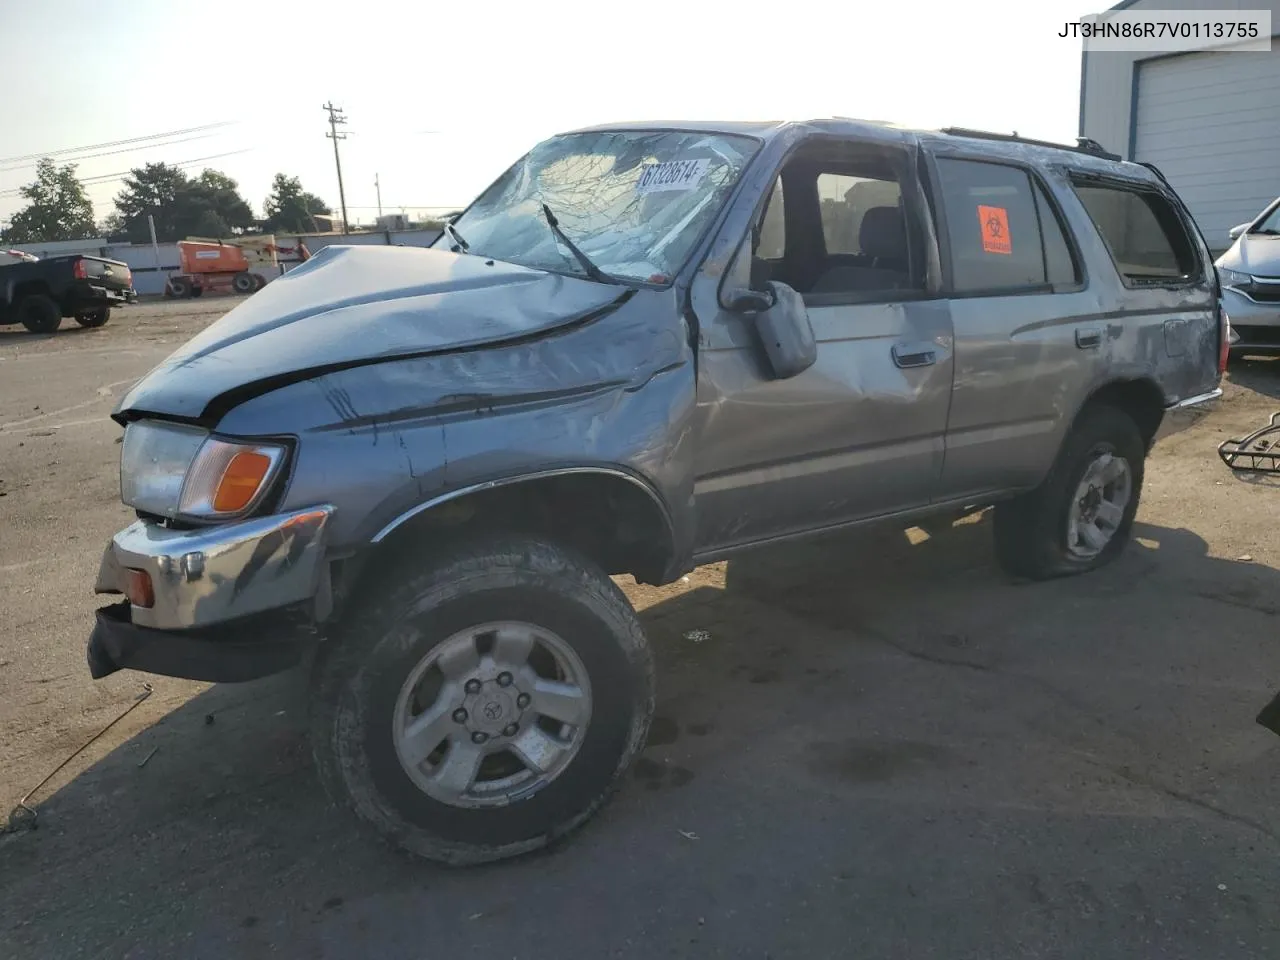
860,433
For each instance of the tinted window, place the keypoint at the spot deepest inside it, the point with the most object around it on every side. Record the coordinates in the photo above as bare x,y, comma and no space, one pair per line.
1142,230
993,226
844,202
1060,265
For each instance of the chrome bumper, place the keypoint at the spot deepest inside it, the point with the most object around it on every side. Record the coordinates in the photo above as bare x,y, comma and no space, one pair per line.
206,576
1213,394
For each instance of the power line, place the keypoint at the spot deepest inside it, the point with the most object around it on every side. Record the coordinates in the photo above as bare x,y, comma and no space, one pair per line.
109,177
111,153
117,143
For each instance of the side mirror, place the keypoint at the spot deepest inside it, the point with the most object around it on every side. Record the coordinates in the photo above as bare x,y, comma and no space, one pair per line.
1239,228
782,327
751,301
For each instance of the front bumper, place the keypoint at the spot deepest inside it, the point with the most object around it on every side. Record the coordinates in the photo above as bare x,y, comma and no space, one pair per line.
1256,325
212,585
245,650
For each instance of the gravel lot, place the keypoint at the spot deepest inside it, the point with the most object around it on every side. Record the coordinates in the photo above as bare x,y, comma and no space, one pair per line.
880,747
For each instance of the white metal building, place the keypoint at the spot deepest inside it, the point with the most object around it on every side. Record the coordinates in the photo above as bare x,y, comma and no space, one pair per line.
1209,120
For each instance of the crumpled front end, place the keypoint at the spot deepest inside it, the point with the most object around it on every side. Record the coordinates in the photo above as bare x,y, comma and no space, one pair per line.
224,603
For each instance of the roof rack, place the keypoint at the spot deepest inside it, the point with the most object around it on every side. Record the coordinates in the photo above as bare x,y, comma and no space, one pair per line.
1083,144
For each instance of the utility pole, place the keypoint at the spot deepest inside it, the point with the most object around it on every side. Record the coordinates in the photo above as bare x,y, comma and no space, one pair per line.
336,117
378,187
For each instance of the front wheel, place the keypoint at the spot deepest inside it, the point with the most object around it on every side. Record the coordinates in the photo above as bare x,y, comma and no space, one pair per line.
485,705
1081,516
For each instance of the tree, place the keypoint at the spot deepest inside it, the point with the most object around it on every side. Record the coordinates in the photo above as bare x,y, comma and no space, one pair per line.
224,209
208,206
59,209
111,227
289,208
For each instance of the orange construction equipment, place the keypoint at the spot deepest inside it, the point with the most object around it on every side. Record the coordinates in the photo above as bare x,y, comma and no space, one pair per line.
211,265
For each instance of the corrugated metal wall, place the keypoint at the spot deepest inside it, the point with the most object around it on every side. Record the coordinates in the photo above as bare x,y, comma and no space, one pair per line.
1211,123
1111,91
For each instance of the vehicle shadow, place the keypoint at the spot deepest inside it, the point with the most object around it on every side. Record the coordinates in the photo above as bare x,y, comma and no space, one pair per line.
69,328
1259,374
209,831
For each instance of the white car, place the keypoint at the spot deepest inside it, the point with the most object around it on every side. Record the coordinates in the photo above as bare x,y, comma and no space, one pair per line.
1250,274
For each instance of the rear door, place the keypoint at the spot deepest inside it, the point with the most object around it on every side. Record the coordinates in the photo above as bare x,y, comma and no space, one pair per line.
860,433
1028,337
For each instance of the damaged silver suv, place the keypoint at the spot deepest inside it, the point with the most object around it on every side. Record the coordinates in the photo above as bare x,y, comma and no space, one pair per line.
643,348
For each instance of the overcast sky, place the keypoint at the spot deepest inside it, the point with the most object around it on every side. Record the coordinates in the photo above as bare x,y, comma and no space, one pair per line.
441,96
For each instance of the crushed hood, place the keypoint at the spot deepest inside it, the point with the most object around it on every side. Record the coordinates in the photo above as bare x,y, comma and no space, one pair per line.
350,305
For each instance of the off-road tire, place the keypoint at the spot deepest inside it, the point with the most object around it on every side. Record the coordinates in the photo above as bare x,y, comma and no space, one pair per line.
1031,530
39,314
94,318
361,667
244,283
179,287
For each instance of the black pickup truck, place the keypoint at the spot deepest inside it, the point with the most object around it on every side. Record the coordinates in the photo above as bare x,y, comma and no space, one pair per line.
39,293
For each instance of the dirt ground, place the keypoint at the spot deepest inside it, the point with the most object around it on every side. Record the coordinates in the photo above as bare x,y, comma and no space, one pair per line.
869,746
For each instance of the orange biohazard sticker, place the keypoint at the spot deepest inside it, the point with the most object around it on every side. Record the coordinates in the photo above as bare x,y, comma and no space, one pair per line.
995,229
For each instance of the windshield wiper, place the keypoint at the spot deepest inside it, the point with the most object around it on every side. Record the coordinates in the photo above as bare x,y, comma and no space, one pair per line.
456,237
593,272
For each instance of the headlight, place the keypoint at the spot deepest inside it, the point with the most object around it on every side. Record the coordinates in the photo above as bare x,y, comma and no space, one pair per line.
173,470
1234,278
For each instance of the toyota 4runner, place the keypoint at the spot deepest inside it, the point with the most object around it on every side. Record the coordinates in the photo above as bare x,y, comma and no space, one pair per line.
643,348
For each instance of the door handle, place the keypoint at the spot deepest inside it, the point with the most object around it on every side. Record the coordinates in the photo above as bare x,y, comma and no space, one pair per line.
923,354
1088,338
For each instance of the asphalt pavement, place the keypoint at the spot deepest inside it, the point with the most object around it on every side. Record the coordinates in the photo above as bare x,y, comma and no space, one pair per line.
873,745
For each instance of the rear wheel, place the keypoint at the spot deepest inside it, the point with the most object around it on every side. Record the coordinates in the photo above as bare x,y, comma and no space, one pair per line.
39,314
1081,516
93,318
179,287
244,283
485,705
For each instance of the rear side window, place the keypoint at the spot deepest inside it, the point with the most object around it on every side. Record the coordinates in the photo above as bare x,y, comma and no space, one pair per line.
1003,231
1143,232
1060,265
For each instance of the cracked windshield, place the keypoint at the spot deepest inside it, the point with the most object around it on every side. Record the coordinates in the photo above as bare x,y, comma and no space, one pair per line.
634,203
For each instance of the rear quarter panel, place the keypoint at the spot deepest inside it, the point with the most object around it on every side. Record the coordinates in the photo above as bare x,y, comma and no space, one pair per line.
1166,334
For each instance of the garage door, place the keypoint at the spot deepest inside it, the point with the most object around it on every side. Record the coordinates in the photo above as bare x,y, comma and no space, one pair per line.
1211,123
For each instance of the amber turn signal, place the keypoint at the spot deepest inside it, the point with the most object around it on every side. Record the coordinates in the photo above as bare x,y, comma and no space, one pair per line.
139,589
240,481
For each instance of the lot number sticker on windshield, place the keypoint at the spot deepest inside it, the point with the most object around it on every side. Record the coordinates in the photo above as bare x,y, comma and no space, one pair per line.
672,175
995,229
